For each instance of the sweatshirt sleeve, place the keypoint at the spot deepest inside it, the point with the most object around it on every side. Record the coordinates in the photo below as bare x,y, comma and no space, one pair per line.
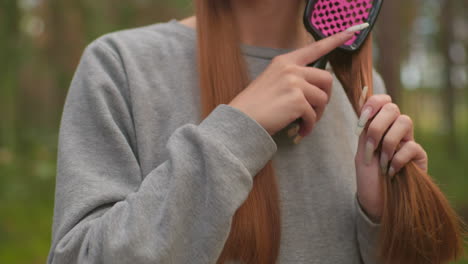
367,230
367,235
106,211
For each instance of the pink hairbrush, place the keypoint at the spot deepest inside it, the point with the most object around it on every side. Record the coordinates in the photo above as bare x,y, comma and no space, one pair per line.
323,18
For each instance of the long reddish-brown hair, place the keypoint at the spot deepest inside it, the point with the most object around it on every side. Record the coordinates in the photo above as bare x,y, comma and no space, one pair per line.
417,226
255,229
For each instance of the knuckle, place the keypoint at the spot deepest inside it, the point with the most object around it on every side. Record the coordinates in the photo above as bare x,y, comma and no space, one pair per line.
292,90
304,104
398,161
312,115
386,97
323,98
389,144
289,68
296,112
373,130
298,98
372,100
380,99
391,107
302,101
425,153
405,120
422,149
418,148
292,80
300,109
327,78
412,145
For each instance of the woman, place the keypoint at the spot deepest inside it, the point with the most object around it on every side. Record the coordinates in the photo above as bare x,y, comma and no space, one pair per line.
143,179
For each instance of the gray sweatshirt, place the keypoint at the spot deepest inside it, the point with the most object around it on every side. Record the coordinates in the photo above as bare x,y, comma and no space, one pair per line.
141,179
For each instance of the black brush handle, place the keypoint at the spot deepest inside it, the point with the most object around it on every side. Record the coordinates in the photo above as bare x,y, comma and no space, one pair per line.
320,63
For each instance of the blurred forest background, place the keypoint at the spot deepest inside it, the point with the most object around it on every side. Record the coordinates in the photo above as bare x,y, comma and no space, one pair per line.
421,51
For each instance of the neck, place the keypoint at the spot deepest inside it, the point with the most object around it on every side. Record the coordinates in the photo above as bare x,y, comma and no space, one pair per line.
271,23
268,23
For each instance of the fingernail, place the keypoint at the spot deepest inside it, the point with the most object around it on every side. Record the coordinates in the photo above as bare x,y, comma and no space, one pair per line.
369,150
297,139
363,120
391,172
357,27
363,96
383,162
364,116
359,130
293,130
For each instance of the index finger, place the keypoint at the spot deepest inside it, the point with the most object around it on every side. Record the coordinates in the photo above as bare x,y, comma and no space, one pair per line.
316,50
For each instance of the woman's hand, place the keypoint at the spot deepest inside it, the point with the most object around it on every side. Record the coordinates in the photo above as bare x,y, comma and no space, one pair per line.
394,131
288,89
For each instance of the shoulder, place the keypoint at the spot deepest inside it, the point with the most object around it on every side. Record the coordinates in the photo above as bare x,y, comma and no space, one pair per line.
150,42
379,84
116,57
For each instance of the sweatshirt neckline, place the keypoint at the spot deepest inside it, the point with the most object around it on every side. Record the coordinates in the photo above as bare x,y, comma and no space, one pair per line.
249,50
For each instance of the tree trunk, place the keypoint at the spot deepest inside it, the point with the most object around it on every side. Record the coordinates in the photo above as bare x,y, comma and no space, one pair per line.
9,34
389,43
448,90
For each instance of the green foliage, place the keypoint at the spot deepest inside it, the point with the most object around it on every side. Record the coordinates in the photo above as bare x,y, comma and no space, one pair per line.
42,42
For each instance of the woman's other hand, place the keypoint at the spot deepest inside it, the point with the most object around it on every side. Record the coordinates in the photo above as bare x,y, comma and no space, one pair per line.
387,127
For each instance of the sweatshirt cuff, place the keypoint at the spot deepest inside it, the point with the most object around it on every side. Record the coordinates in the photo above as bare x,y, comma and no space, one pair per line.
366,228
243,136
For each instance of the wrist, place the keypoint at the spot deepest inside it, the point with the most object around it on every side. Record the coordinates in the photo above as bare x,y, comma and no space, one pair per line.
374,213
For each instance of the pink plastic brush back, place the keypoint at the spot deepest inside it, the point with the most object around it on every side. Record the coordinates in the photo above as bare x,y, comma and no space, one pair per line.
333,16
